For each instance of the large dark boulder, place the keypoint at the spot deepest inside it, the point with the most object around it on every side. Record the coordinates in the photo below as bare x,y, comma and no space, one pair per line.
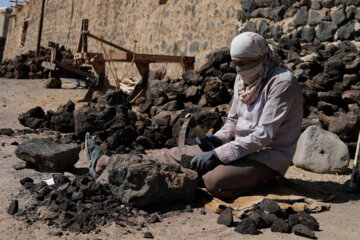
139,180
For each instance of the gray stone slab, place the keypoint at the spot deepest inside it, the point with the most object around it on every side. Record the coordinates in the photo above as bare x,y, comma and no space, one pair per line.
48,155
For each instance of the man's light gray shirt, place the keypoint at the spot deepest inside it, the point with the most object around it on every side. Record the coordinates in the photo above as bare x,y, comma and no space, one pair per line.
268,129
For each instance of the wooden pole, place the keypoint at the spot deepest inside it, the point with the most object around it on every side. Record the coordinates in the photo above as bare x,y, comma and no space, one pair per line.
40,29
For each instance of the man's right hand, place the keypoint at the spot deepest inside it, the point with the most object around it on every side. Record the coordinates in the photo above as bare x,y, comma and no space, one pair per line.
208,143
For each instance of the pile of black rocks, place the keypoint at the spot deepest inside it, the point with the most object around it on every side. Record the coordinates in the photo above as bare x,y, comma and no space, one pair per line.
77,204
149,123
27,66
327,73
268,214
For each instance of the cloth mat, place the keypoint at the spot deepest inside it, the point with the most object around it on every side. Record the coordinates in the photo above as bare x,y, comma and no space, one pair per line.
287,193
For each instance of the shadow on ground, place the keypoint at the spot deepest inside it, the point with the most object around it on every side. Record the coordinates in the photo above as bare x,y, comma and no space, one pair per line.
341,191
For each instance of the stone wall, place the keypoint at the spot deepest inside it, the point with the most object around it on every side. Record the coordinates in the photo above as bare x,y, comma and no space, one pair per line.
4,23
311,21
186,27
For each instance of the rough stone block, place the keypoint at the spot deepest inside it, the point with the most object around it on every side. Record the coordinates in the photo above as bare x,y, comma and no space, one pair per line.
139,180
303,231
345,126
325,31
13,207
346,31
226,217
280,226
301,17
338,16
321,151
48,155
247,226
314,18
351,96
316,4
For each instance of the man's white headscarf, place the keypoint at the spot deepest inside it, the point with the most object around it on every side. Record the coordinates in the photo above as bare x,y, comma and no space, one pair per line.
249,46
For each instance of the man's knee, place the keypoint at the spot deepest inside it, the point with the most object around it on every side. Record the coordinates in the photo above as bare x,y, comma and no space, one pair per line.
213,183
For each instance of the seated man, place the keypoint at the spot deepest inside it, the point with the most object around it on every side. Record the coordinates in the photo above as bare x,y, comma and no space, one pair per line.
258,140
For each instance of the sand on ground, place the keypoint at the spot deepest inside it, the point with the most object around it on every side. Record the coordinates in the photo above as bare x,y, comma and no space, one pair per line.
18,96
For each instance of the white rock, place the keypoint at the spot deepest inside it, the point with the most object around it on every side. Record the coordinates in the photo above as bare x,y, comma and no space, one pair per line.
321,151
310,58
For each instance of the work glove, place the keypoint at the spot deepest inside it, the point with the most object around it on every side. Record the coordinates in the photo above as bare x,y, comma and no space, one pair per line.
205,144
204,162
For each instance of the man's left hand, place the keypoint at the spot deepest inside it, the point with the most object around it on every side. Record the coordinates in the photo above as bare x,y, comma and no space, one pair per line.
204,162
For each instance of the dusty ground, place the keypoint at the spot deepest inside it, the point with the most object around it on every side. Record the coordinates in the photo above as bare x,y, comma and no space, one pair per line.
18,96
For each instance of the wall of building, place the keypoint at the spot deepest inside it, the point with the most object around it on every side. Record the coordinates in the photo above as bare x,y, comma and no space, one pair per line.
177,27
181,27
4,23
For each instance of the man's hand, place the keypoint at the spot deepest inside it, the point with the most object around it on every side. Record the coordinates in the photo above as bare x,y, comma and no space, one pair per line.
208,143
204,162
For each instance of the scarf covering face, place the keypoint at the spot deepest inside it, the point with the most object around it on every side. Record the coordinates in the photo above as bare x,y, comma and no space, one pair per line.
249,46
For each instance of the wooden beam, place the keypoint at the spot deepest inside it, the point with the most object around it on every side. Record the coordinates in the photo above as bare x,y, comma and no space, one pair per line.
108,43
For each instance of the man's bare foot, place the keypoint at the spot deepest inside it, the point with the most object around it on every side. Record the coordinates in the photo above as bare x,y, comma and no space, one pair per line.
101,164
93,155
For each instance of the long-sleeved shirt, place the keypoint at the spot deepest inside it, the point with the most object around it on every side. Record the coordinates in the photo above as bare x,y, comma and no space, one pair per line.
268,129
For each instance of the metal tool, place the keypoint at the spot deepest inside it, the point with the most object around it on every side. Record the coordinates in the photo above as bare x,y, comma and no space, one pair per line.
355,175
142,61
190,122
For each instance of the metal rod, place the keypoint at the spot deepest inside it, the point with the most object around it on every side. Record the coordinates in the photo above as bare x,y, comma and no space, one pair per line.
40,29
109,43
85,27
354,181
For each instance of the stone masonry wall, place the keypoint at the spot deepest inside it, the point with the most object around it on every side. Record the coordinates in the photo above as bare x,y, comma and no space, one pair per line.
311,21
173,27
186,27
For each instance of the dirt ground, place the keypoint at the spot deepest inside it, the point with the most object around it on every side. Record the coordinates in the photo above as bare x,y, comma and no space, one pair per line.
18,96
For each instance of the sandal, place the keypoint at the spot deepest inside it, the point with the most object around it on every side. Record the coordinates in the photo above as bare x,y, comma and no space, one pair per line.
93,154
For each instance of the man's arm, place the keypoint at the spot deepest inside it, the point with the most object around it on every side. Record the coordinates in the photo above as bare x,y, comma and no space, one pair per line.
279,100
227,132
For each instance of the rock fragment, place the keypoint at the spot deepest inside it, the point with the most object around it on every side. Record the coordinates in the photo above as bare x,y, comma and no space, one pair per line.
148,235
269,206
247,226
6,131
280,226
13,208
303,231
226,217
